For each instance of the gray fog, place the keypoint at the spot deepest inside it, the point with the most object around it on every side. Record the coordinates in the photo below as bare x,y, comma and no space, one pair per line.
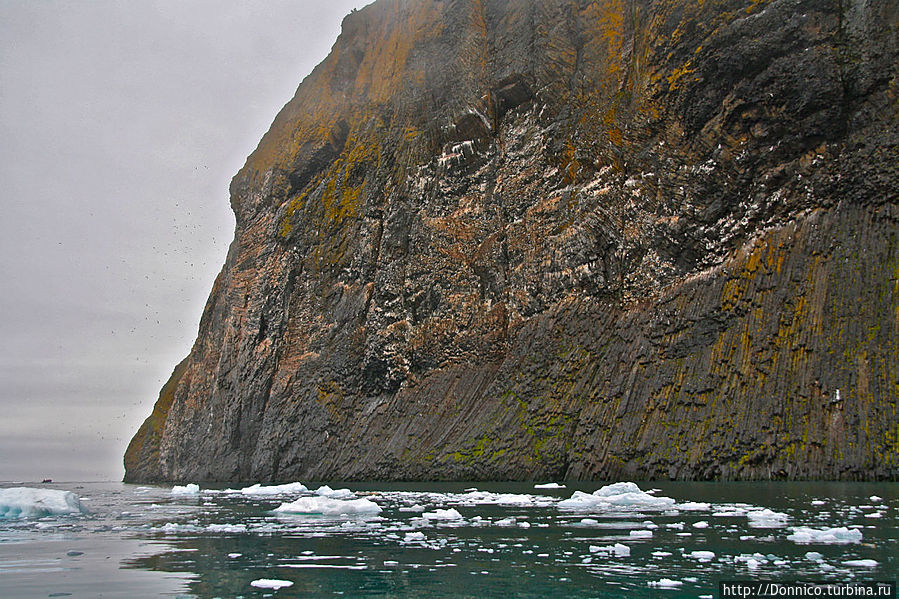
122,124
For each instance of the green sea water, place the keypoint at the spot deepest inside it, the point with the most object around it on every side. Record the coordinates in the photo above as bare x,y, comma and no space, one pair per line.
450,540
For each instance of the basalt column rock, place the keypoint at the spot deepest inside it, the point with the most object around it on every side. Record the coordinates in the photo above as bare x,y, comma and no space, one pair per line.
514,239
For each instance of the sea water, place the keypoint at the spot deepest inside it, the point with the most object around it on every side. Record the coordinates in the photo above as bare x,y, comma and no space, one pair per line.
650,539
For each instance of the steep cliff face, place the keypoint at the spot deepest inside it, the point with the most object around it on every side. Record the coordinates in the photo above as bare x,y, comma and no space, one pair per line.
515,239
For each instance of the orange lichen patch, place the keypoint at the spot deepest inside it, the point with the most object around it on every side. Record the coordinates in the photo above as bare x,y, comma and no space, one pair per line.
390,31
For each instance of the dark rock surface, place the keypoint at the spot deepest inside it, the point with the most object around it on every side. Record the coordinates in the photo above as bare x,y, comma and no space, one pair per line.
514,239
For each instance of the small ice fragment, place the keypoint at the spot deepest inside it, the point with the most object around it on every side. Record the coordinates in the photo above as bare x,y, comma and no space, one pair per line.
589,522
234,555
284,489
694,506
640,534
665,583
861,563
818,502
874,515
703,556
388,562
701,524
269,583
549,486
813,556
524,524
766,518
510,521
661,553
618,550
326,491
413,508
875,499
188,489
448,514
414,536
675,525
227,528
825,536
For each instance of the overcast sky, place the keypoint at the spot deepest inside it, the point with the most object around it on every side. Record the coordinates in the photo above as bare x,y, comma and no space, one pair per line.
122,124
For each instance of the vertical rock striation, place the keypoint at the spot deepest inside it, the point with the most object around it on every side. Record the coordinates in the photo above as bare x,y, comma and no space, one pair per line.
512,239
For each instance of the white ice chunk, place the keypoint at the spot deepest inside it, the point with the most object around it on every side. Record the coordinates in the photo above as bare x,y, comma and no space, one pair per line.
701,524
329,507
326,491
284,489
617,496
188,489
694,506
874,515
766,518
448,514
875,499
665,583
414,537
234,555
640,534
825,536
269,583
549,486
661,553
675,525
27,502
813,556
227,528
818,502
618,550
703,556
861,563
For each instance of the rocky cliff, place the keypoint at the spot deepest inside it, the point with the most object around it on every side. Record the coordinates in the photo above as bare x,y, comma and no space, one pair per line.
515,239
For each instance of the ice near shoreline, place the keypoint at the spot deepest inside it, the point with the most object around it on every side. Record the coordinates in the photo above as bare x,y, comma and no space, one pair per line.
27,502
617,496
326,506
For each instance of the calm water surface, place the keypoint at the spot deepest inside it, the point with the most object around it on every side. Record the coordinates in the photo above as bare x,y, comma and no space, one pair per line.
505,540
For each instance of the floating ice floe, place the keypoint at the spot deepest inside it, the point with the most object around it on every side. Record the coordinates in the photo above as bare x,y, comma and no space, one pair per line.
665,583
326,491
326,506
694,506
27,502
549,486
640,534
818,502
188,489
448,514
227,528
618,550
814,556
285,489
617,496
700,524
875,498
766,518
703,556
752,561
825,536
861,563
269,583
